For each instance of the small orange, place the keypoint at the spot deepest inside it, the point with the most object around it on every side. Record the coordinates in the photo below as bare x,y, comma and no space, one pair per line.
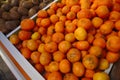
65,9
24,43
90,38
64,66
48,39
24,35
41,48
32,45
58,37
99,42
84,53
45,22
73,55
38,21
102,11
70,37
51,47
60,5
112,57
14,39
42,30
89,73
71,15
103,64
116,7
85,78
85,23
85,4
58,56
95,50
67,22
50,11
84,13
70,27
51,30
75,8
35,36
114,15
27,24
62,18
64,46
90,61
26,52
54,18
97,22
45,58
70,76
39,67
59,26
78,69
53,66
55,76
72,2
42,14
117,25
75,21
35,56
54,6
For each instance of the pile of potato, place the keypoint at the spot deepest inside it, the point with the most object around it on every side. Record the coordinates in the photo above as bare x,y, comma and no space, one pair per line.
13,11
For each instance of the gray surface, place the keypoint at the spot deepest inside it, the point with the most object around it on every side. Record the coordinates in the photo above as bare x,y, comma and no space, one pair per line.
5,73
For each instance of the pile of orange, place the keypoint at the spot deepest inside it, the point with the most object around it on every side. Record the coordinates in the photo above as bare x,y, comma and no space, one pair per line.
72,39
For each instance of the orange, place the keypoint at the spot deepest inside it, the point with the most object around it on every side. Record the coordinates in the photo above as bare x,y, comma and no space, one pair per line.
65,9
14,39
70,76
72,2
64,66
50,47
58,37
35,56
103,64
80,33
24,35
38,22
84,53
90,38
32,45
75,21
62,18
102,11
50,11
48,39
84,13
45,22
45,58
101,76
55,76
24,43
71,15
27,24
70,37
75,8
59,26
42,14
90,61
117,25
53,66
114,15
60,5
70,27
89,73
39,67
51,30
95,50
73,55
54,6
67,22
35,36
26,52
42,30
78,69
64,46
85,78
112,57
116,7
85,23
82,45
99,42
85,4
54,18
58,56
43,37
97,22
112,43
41,48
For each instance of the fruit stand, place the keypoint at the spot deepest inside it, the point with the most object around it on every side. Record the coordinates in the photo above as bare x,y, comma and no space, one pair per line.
67,39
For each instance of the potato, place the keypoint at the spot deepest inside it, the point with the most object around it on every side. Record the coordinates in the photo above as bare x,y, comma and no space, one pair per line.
10,25
15,8
14,15
6,6
27,4
1,11
6,16
42,5
14,2
36,2
22,11
3,28
32,11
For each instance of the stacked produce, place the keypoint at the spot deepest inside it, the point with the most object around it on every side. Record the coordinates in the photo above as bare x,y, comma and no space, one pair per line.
72,40
13,11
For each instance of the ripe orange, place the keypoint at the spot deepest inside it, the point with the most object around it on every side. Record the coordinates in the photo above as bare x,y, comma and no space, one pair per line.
117,25
62,18
54,6
82,45
73,55
38,22
59,26
14,39
55,76
50,11
72,2
48,39
51,30
90,61
70,37
70,76
54,18
39,67
53,66
85,4
71,15
41,48
58,56
114,15
50,47
42,14
26,52
78,69
58,37
75,8
64,46
97,22
103,64
35,56
42,30
35,36
27,24
89,73
45,22
70,27
64,66
65,9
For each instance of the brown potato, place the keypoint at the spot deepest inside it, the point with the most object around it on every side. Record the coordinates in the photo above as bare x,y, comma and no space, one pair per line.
6,16
15,8
27,4
14,15
36,2
14,2
22,11
32,11
6,6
